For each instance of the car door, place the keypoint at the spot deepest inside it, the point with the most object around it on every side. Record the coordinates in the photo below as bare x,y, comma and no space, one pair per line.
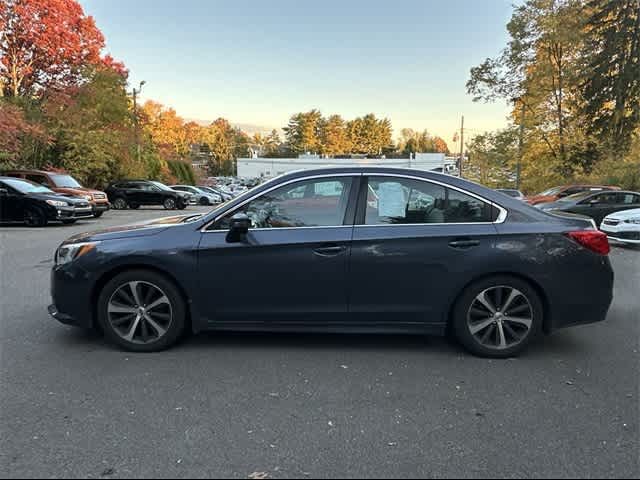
291,268
11,204
414,242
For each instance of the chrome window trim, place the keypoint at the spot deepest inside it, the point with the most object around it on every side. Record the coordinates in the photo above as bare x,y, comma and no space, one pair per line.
295,180
502,216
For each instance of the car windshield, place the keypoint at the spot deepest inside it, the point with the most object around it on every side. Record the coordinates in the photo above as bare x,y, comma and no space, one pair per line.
23,186
65,181
162,186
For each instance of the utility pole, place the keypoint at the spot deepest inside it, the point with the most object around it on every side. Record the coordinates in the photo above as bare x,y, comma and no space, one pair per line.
520,145
461,145
135,118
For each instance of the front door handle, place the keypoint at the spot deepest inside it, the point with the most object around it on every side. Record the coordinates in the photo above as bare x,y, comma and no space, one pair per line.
330,251
464,244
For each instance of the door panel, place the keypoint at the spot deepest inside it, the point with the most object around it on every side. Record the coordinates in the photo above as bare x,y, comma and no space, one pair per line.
276,276
408,274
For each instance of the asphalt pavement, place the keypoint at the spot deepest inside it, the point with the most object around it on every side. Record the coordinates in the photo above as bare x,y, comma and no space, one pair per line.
317,406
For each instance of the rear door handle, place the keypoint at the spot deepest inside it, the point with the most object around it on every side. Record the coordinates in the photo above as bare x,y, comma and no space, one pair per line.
330,251
464,244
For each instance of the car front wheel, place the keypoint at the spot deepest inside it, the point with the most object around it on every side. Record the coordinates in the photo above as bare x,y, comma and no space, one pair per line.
498,317
169,204
35,218
142,311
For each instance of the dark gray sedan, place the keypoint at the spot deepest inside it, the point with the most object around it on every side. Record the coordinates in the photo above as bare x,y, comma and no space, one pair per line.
353,250
596,206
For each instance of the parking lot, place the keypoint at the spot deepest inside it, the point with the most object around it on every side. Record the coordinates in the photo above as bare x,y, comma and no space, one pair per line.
241,405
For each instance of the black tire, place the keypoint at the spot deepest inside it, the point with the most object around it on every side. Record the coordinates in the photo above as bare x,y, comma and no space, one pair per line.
120,203
69,222
178,312
205,202
182,206
526,301
35,218
134,206
169,204
97,214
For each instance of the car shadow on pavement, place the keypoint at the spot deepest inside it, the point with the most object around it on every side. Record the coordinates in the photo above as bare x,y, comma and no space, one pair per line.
562,344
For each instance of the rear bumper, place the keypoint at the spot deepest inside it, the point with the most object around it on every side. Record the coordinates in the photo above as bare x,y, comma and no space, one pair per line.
583,301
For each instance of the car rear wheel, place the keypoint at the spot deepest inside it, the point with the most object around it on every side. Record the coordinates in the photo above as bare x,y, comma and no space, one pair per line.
120,204
169,204
134,206
204,201
142,311
97,214
34,218
498,317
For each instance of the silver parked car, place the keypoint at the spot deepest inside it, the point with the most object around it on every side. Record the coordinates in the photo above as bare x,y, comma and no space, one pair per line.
198,195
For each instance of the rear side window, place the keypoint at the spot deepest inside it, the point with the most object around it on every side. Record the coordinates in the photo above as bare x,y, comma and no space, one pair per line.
39,179
403,201
628,198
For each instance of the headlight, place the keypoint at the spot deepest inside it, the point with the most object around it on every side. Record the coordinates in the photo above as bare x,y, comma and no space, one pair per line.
633,220
57,203
68,253
88,198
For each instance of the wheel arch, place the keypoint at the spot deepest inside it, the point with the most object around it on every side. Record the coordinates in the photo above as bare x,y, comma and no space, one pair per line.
117,270
546,327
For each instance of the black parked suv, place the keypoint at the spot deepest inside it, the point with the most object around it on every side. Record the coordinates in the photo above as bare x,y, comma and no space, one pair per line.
22,201
134,193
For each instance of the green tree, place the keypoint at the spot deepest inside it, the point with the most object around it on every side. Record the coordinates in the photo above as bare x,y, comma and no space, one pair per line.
491,158
612,76
303,132
333,136
272,144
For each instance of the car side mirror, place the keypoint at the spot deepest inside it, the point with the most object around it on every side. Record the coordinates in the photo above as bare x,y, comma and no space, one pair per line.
594,202
4,191
240,225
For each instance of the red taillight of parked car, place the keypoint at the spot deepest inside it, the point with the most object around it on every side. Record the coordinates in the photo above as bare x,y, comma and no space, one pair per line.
593,240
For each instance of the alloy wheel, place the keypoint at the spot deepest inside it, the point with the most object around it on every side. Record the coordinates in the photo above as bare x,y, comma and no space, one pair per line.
500,317
120,204
140,312
170,204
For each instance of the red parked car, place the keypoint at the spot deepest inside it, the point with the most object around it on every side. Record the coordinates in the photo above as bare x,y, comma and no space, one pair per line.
556,193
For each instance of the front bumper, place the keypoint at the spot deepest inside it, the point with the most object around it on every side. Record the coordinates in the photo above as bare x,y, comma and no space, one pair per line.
71,289
100,207
72,213
624,233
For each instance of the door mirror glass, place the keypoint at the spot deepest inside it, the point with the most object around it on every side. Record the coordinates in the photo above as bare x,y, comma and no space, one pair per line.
240,225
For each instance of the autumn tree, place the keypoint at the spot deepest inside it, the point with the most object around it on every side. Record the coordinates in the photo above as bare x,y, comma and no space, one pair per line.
46,44
168,131
15,132
539,69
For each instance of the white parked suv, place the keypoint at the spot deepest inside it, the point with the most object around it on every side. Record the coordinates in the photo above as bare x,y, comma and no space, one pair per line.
623,226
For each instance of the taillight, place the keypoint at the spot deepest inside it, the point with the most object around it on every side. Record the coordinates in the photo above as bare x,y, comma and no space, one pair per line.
594,240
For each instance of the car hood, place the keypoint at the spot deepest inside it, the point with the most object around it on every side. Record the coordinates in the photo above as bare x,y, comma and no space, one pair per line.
142,229
57,196
625,214
79,191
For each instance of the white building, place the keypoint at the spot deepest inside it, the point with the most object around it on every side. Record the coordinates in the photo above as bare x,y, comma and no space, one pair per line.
272,167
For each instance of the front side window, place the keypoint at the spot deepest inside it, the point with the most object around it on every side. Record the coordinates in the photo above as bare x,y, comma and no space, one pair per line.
308,203
404,201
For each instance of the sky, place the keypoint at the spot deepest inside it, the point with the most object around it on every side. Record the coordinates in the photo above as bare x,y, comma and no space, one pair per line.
258,62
